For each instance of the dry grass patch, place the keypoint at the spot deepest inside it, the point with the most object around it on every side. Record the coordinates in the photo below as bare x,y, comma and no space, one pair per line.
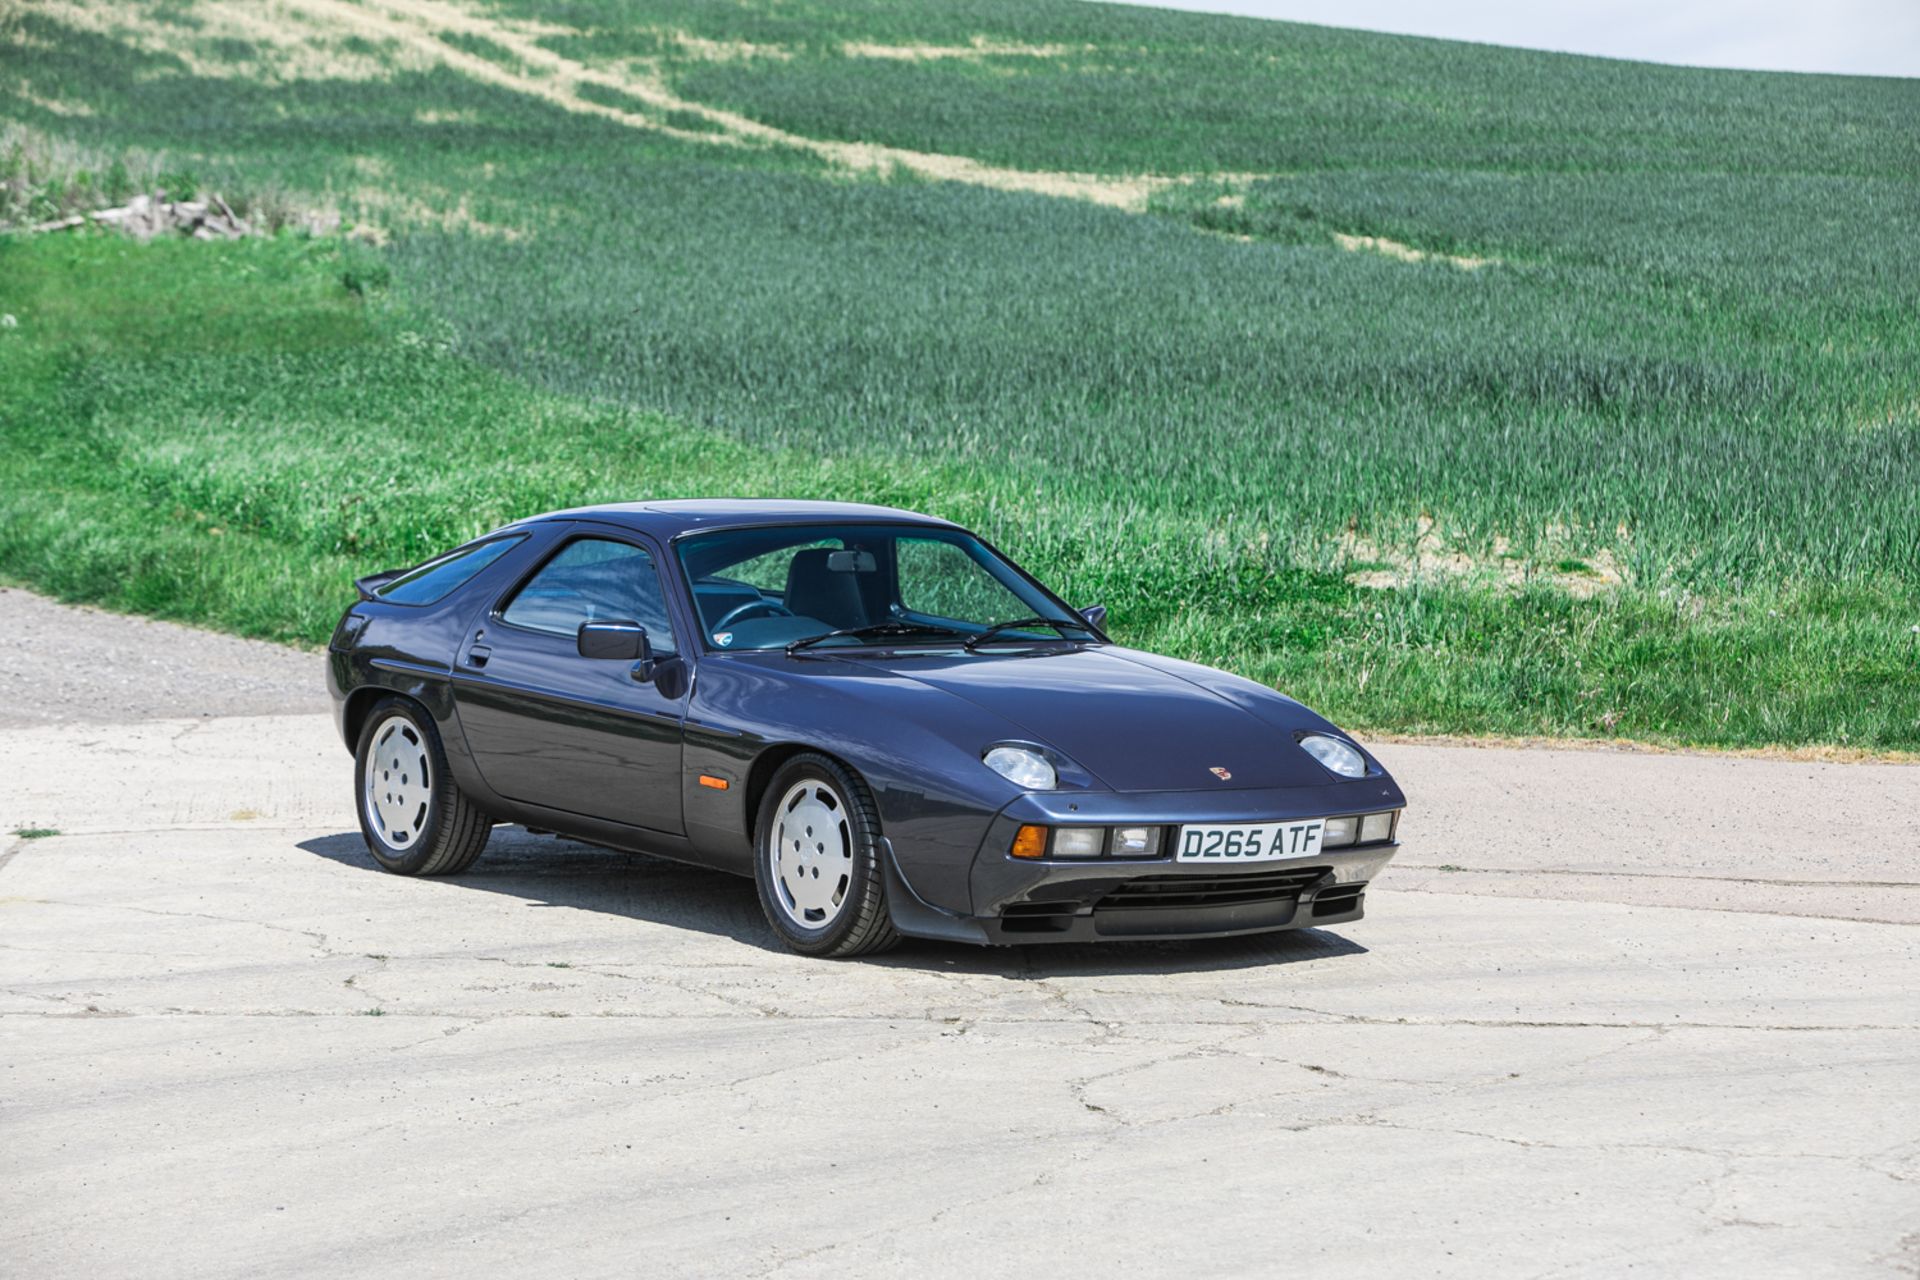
53,106
1406,252
701,49
979,48
290,41
1433,558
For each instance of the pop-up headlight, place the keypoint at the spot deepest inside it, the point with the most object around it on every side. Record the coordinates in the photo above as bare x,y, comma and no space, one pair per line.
1022,767
1337,754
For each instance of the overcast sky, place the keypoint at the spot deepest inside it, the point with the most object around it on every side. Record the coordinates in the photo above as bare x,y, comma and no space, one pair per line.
1861,37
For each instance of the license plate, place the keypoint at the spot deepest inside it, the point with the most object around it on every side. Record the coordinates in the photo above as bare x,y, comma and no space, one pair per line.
1250,842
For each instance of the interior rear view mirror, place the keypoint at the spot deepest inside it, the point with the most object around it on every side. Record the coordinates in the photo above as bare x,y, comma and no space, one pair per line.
851,562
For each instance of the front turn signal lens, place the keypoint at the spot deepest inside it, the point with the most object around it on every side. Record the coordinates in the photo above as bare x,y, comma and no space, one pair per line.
1029,842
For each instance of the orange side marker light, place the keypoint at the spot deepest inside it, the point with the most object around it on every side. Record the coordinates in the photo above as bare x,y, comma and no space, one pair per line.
718,784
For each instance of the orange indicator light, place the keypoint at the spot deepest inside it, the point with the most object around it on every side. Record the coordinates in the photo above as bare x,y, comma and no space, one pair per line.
1030,842
718,784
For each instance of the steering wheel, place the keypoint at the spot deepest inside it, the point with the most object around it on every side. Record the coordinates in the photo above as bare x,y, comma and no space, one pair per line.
773,607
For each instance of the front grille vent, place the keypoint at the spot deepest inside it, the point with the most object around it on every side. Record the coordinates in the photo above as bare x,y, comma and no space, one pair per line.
1038,917
1210,890
1338,900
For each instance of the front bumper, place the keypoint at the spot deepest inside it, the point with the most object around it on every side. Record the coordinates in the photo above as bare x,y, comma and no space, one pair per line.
1016,900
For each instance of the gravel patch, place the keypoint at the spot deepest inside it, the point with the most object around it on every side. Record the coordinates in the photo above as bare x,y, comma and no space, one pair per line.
62,664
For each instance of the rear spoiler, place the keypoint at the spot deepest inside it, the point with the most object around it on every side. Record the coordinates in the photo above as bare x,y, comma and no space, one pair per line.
369,586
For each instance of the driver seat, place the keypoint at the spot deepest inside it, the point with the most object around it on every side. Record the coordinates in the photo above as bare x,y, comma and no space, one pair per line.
816,591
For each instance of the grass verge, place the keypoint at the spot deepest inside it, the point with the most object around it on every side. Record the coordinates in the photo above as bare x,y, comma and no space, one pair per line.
227,433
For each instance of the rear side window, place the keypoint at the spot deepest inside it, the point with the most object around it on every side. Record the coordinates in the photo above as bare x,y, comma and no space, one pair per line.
435,579
594,580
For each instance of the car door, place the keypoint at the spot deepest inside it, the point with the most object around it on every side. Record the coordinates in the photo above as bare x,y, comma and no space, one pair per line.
546,726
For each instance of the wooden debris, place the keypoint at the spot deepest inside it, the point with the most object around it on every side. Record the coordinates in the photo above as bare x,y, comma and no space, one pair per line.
147,216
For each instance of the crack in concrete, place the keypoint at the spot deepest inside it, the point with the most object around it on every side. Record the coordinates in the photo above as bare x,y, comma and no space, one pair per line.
443,1034
1676,1024
318,938
1375,1122
1905,1254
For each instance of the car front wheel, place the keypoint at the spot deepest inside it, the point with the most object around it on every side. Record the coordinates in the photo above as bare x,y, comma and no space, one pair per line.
416,821
817,861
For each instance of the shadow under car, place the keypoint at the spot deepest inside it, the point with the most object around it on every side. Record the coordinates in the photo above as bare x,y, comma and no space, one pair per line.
552,871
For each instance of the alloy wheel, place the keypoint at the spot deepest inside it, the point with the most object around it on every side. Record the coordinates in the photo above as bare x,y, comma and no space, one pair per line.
397,789
812,854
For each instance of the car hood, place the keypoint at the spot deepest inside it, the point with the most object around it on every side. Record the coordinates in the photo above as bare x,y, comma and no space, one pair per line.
1135,721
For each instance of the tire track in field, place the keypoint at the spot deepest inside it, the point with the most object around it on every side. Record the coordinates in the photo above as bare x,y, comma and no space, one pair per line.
419,27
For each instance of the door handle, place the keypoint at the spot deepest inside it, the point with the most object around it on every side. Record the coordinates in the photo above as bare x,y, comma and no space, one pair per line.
477,655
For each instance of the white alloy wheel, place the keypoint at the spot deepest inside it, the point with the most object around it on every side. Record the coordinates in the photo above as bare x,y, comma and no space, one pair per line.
397,793
812,854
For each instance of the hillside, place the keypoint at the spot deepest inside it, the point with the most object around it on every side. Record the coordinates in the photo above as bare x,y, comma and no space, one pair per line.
1451,388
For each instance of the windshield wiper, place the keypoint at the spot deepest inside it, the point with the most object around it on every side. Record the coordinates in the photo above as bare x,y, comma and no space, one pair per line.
873,630
998,629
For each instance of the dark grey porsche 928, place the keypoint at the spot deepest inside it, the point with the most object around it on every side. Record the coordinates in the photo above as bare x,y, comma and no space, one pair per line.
890,726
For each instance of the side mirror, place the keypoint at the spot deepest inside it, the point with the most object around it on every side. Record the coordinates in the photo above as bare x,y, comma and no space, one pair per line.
619,641
1096,614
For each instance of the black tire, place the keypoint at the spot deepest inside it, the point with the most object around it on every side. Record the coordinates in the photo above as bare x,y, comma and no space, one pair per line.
860,924
442,831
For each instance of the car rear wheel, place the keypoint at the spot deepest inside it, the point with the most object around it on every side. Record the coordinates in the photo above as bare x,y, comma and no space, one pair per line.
817,861
415,820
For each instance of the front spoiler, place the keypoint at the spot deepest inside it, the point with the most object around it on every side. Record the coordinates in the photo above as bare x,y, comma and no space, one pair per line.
1063,902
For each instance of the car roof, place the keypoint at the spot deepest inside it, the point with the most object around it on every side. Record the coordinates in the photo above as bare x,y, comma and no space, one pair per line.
672,517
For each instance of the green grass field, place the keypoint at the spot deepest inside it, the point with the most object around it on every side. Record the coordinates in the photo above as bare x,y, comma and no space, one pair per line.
1453,389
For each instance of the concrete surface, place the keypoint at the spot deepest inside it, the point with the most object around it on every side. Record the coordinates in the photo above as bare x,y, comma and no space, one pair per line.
1665,1021
1716,832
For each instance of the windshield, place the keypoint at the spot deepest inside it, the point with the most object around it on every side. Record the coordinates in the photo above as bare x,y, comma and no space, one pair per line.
902,585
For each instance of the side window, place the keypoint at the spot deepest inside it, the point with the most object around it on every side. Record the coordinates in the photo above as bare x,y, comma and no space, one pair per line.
594,580
940,580
435,579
